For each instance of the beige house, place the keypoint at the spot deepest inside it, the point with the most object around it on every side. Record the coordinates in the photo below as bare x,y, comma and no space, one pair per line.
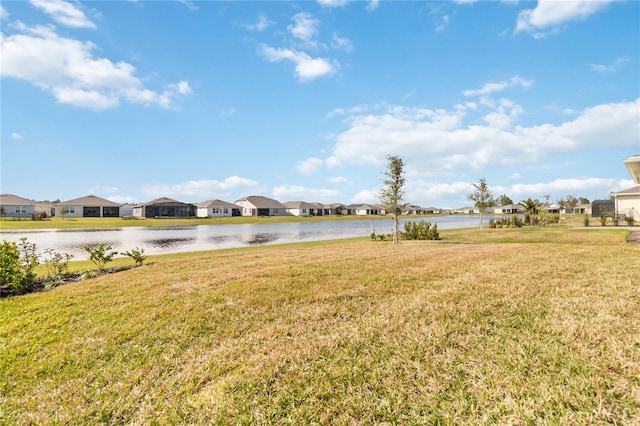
366,209
89,206
627,202
301,208
18,207
256,205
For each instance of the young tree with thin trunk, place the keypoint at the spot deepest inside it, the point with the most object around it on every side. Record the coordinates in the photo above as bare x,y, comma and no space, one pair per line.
392,194
482,197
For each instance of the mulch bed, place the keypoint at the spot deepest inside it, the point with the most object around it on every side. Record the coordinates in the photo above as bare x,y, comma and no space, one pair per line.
634,237
44,283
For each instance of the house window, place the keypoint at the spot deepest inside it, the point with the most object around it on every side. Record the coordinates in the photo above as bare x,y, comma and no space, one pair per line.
71,210
21,209
304,211
226,211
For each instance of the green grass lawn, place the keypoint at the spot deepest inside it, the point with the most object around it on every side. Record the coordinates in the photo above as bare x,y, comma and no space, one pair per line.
505,326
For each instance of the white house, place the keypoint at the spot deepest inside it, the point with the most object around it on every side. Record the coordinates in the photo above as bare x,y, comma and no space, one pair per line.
509,209
217,208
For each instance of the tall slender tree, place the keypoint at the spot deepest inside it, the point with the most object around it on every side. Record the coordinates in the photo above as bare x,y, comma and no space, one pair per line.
392,194
482,196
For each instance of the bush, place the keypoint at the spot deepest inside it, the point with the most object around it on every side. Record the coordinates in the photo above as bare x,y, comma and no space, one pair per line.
603,218
100,255
57,266
506,222
420,231
629,219
17,264
586,220
137,255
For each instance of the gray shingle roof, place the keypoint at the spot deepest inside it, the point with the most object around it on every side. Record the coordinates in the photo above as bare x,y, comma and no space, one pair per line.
14,200
89,201
262,202
217,204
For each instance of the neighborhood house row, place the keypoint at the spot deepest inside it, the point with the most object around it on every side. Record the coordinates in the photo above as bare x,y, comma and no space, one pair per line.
94,206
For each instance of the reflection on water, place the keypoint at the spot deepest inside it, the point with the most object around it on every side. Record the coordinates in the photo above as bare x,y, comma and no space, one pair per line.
169,243
259,239
158,240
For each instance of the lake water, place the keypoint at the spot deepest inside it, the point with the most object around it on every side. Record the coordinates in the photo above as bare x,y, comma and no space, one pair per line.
160,240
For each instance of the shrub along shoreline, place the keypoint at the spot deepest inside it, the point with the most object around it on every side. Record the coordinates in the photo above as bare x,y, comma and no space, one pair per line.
515,325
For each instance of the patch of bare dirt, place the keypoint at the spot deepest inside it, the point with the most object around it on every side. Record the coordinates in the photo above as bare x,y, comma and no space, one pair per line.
634,237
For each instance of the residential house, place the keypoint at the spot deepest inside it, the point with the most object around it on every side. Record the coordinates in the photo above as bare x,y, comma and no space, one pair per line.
126,210
365,209
164,207
627,202
301,208
89,206
217,208
337,209
580,209
18,207
413,209
467,210
509,209
256,205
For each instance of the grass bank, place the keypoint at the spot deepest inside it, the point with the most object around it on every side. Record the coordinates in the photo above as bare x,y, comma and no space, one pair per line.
521,326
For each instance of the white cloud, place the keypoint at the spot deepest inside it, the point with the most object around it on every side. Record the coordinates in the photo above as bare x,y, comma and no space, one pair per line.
615,66
98,189
442,25
366,196
305,26
373,5
64,13
17,136
3,13
307,68
339,180
261,24
489,88
199,188
561,187
341,43
309,166
332,3
191,5
550,15
67,68
227,113
296,192
438,141
122,199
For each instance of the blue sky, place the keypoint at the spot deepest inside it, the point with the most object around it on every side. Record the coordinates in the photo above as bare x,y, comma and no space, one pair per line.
134,100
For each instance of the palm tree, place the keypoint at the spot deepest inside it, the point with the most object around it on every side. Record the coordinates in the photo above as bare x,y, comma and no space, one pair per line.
531,209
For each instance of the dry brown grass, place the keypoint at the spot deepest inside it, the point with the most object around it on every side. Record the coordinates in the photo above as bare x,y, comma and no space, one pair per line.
532,326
